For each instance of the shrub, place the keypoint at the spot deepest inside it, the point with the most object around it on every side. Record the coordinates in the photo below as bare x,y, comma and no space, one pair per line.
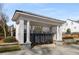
68,31
10,39
1,34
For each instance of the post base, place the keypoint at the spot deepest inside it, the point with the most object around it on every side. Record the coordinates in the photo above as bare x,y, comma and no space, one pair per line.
28,44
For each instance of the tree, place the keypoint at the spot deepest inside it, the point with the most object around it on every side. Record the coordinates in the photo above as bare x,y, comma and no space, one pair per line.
68,31
3,22
1,31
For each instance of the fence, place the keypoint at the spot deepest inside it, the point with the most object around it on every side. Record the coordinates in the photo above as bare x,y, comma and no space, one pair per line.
41,38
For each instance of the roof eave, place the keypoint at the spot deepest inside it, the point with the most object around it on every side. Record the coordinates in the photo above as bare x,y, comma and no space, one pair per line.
17,13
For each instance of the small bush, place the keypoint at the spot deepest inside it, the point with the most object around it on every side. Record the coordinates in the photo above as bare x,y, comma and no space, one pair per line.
68,31
10,39
1,34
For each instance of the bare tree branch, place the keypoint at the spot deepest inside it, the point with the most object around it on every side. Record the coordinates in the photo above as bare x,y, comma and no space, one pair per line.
3,20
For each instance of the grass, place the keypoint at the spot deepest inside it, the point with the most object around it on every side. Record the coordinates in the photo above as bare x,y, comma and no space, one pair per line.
9,44
10,48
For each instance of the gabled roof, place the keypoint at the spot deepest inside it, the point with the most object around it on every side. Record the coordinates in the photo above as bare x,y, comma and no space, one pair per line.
73,20
36,15
77,21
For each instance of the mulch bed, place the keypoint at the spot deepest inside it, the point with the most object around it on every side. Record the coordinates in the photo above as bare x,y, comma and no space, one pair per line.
1,41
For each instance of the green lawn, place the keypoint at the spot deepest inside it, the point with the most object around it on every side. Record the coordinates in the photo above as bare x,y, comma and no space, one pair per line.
8,48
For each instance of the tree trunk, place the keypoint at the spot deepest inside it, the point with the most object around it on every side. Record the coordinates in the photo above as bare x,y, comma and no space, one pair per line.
4,32
4,29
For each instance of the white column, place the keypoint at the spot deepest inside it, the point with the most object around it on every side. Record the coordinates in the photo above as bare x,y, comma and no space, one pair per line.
28,32
59,33
17,31
20,31
11,31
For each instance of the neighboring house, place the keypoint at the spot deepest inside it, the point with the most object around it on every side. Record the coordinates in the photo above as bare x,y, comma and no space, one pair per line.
26,22
72,25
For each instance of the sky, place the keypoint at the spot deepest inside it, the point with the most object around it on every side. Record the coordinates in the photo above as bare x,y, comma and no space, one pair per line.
59,11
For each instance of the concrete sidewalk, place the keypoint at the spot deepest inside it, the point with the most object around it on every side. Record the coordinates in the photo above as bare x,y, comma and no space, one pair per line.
47,50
